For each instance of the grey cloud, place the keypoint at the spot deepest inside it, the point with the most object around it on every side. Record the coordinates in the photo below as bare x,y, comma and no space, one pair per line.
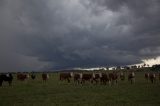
42,35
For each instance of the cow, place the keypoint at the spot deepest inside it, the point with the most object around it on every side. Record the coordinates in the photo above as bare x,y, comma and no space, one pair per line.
131,77
6,77
146,76
45,76
85,77
22,76
152,77
77,77
96,77
104,78
27,75
113,77
66,76
33,76
122,76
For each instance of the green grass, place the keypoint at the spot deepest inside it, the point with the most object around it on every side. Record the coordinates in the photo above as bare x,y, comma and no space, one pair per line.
56,93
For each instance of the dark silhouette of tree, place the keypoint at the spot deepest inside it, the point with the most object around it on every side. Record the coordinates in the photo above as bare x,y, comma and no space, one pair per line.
156,67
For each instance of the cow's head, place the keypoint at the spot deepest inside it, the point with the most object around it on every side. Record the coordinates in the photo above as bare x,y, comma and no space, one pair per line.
81,75
71,74
93,75
100,74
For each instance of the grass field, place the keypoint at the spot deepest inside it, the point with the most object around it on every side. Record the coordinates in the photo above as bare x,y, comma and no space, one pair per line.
56,93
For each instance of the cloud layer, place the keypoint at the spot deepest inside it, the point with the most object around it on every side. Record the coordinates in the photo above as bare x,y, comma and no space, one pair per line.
58,34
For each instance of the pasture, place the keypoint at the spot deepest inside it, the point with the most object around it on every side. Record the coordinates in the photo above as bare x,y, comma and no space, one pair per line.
57,93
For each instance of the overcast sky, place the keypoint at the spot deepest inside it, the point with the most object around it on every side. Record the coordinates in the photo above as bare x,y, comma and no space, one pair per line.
62,34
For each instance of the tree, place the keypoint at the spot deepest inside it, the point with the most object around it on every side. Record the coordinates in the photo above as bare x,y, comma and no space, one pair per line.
156,67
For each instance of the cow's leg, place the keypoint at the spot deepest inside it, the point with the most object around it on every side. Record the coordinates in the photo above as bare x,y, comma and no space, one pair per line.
100,80
75,80
152,81
78,81
121,78
10,83
96,81
83,81
104,81
92,81
68,80
112,82
115,81
131,81
109,82
1,81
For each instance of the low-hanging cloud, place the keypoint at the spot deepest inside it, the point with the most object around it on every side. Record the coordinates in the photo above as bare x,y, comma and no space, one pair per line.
58,34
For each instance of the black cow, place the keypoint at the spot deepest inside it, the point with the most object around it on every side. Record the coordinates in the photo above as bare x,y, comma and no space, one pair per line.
6,77
33,76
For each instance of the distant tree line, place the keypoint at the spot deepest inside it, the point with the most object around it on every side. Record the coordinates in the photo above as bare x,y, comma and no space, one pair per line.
156,67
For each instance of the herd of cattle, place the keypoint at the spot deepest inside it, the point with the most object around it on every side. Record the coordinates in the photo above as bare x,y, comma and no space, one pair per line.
21,77
81,78
104,78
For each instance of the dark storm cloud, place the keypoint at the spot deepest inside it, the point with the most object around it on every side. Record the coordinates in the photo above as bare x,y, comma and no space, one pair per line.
142,20
74,33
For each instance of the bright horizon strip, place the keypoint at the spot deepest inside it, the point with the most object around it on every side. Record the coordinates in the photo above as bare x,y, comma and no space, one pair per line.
152,61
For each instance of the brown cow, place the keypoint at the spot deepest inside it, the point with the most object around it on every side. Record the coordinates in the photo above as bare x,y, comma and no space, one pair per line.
122,76
104,78
96,77
65,76
85,77
146,76
113,77
152,77
77,77
45,76
22,76
131,77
